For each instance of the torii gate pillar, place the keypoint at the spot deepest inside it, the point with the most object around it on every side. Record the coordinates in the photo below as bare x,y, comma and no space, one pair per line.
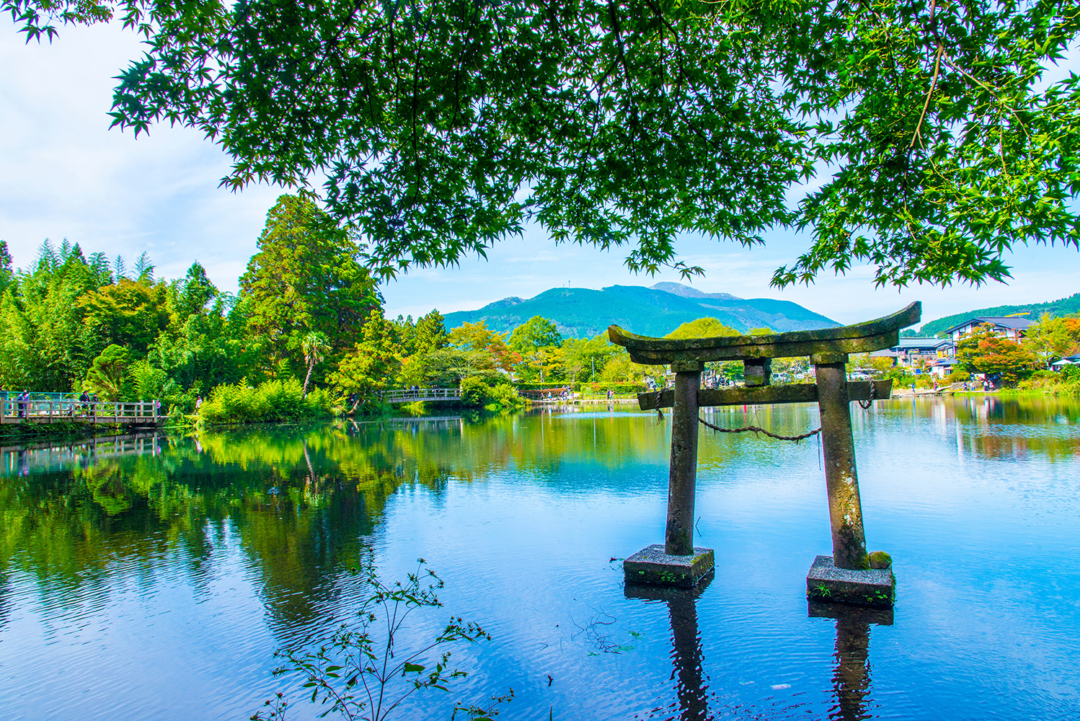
838,449
678,562
682,475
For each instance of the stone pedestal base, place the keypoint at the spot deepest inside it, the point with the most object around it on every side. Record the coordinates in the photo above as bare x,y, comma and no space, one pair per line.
872,587
652,566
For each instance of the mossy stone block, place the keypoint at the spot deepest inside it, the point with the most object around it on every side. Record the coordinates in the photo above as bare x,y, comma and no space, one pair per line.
868,587
654,567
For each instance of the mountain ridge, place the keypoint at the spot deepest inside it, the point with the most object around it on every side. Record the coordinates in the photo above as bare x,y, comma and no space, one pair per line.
655,311
1063,306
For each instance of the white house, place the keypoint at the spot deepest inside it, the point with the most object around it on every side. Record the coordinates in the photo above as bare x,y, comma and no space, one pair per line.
1009,327
914,351
1071,360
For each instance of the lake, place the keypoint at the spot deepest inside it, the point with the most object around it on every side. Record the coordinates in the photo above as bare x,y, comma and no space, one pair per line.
154,577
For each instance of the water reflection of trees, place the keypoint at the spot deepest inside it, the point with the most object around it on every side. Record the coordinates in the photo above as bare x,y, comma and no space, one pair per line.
990,426
300,502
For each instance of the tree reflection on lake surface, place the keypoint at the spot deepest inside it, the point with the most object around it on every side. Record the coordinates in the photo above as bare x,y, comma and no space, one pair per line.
154,576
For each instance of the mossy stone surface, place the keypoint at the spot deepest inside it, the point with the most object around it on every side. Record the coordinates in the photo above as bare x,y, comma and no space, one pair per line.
869,587
652,566
880,560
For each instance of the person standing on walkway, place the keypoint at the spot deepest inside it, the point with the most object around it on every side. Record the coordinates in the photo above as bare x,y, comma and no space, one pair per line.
23,398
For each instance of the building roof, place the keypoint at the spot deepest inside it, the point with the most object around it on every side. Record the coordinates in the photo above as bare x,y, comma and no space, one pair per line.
1067,360
906,344
1011,322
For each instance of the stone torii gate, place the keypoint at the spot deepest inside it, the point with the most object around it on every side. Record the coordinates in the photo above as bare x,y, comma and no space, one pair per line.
848,574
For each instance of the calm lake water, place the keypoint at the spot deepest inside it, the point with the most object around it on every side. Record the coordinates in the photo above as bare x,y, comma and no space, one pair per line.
155,578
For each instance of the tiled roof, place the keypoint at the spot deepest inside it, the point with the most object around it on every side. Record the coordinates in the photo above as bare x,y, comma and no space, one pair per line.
1013,322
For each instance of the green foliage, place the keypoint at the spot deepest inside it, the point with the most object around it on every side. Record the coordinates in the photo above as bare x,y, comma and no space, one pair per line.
427,334
474,392
129,314
449,367
1071,373
703,328
58,316
374,362
627,124
535,334
1053,338
958,376
503,397
315,346
271,402
192,294
305,278
44,343
490,394
108,374
7,272
478,338
150,383
586,357
620,369
365,673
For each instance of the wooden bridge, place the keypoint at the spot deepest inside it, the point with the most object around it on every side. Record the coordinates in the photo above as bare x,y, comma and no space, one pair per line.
137,413
426,395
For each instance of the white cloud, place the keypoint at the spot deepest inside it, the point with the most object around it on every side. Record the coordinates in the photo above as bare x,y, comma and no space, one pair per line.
63,174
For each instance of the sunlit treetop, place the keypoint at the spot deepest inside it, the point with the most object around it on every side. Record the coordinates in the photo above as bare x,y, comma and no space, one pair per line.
921,137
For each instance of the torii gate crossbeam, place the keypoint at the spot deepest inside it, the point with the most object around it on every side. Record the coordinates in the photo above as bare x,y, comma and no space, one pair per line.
846,575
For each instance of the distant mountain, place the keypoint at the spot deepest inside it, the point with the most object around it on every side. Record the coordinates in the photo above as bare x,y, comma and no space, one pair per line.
687,292
1056,308
655,311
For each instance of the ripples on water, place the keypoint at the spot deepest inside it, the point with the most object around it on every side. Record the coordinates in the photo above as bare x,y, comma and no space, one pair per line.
154,578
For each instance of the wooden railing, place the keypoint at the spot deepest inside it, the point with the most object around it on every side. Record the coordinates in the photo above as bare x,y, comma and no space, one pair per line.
13,410
546,394
407,395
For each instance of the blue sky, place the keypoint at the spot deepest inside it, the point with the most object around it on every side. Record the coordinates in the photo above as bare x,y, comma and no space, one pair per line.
63,174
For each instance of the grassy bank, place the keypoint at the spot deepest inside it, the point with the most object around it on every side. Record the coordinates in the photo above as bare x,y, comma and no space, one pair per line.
270,402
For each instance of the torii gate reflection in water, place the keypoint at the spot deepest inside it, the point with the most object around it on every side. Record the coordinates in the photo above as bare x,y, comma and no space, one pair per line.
846,576
851,675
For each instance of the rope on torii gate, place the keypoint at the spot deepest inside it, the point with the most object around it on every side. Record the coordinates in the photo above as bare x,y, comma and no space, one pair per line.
755,429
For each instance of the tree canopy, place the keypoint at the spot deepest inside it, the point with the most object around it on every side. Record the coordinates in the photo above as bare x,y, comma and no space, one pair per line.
305,278
933,138
703,328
